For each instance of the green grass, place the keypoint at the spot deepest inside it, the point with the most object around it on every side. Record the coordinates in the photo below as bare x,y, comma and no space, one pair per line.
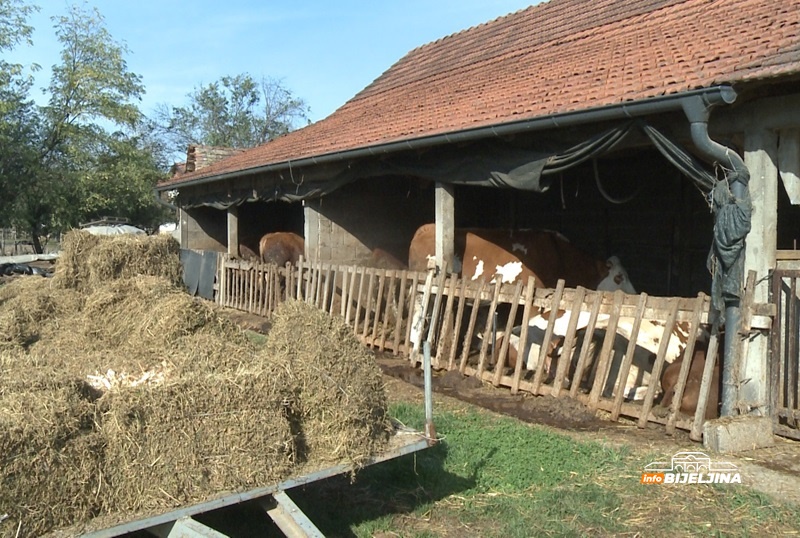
256,338
495,476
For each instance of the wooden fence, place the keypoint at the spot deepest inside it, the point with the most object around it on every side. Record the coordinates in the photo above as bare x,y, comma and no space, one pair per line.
395,311
785,354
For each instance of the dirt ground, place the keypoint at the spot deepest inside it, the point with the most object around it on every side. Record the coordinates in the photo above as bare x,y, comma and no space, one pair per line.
774,471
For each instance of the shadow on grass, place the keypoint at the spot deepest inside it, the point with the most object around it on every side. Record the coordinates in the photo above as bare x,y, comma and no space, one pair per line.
400,486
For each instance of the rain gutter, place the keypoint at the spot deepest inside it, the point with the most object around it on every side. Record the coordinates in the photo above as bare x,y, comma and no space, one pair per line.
697,111
655,105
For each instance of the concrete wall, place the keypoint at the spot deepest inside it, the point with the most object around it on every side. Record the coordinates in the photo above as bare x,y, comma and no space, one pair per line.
347,225
204,228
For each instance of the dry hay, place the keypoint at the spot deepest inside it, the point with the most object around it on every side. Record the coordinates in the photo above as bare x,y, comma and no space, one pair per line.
341,405
174,443
48,451
130,395
28,306
87,260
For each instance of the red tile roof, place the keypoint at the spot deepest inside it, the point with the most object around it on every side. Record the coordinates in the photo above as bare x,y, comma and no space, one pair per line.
556,57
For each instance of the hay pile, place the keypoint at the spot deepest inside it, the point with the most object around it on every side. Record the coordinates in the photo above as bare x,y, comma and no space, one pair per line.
120,393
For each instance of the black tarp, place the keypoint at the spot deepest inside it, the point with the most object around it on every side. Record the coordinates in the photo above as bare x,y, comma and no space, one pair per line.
490,164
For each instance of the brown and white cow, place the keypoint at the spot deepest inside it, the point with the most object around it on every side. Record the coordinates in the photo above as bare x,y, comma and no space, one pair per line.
648,341
281,247
510,255
691,392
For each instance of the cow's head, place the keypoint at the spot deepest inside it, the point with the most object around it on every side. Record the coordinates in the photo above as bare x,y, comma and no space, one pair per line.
617,278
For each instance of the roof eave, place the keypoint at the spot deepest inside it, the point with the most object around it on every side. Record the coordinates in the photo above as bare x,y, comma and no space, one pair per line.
723,94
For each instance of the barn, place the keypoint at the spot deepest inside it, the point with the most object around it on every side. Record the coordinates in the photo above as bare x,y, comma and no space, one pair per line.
663,132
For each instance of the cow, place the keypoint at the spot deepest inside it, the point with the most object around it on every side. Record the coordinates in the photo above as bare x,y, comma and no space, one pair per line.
281,248
648,341
511,255
691,391
545,255
382,259
248,254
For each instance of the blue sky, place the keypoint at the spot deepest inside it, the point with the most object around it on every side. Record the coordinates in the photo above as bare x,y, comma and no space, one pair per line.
323,51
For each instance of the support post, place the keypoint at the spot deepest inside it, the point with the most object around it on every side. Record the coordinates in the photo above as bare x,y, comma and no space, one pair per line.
233,231
761,157
445,227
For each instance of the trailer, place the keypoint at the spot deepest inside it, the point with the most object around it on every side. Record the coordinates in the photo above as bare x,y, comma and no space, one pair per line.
274,500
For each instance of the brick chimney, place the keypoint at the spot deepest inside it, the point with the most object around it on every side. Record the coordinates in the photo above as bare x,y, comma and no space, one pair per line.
198,157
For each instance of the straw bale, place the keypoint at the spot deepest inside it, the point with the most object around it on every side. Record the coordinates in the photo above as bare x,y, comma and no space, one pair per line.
88,261
49,452
122,393
181,441
28,305
71,270
340,409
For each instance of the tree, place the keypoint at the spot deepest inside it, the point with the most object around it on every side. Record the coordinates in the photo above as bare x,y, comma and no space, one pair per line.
235,111
85,153
17,117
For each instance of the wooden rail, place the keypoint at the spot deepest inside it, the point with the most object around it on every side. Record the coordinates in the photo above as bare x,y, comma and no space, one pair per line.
395,311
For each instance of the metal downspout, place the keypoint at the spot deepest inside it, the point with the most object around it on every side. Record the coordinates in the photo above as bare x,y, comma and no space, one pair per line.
698,110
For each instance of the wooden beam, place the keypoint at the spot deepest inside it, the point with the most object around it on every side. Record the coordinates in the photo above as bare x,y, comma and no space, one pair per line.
445,226
233,231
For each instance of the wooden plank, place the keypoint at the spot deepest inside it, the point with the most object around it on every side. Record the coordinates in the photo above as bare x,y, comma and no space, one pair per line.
791,382
351,292
362,276
330,282
398,324
437,305
655,375
526,315
317,284
473,315
500,362
220,279
775,345
462,301
410,318
747,304
604,360
299,295
625,368
487,331
368,305
569,341
696,433
376,322
688,353
345,290
271,281
391,303
416,346
446,335
588,335
311,282
548,335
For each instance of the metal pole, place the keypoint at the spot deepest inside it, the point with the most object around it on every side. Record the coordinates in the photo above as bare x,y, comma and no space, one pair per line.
430,430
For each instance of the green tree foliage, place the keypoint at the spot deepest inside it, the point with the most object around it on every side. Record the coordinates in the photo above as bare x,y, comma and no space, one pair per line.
235,111
17,118
88,152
